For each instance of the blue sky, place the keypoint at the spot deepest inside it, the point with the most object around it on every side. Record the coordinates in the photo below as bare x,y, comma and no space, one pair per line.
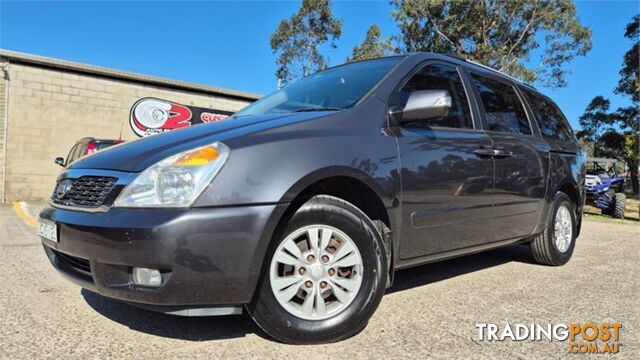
226,44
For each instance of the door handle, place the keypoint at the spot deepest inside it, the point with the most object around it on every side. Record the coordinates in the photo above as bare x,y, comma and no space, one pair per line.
495,153
501,154
483,152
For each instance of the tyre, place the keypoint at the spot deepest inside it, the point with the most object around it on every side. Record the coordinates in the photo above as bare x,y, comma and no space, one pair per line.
324,275
554,246
619,205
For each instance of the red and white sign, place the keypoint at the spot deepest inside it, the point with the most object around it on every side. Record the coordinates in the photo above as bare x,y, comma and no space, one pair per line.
153,116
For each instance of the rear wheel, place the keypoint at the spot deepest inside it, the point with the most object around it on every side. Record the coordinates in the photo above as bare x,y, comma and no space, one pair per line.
619,205
554,246
325,275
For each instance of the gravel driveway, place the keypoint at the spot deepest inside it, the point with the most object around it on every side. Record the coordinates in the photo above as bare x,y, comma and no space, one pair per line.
431,311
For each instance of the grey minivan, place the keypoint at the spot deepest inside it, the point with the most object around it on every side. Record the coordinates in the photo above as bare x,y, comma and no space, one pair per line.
301,207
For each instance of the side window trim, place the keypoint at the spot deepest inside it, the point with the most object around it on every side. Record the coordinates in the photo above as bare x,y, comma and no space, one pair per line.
482,110
478,111
533,124
474,117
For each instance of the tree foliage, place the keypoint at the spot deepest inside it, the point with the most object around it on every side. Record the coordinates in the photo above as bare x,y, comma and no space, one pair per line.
595,121
373,46
628,118
629,83
503,34
297,40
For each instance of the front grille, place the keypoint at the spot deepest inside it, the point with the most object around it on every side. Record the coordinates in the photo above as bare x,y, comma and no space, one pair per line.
85,191
75,262
73,266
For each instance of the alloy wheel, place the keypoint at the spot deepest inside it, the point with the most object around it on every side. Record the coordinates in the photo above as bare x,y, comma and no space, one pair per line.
563,229
316,272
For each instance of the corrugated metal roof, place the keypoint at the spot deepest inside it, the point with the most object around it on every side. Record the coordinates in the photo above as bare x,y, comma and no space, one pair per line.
20,57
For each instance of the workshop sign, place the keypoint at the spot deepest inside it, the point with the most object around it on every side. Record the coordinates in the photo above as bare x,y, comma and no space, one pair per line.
153,116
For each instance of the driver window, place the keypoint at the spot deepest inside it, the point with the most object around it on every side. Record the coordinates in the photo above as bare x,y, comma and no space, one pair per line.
70,156
441,77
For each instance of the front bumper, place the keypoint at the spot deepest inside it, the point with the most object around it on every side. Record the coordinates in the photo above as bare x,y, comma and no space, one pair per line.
207,256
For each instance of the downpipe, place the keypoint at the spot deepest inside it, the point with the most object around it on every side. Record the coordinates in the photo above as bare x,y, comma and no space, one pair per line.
5,69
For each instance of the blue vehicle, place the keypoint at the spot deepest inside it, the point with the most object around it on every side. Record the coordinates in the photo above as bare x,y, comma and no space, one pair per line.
604,187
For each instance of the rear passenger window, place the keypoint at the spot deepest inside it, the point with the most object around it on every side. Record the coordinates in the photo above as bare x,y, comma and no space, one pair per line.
441,77
503,109
552,123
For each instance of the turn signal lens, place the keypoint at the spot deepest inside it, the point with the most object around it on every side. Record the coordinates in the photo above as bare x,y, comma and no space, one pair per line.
198,158
176,181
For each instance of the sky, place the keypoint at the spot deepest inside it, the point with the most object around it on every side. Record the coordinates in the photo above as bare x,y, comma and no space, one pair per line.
226,43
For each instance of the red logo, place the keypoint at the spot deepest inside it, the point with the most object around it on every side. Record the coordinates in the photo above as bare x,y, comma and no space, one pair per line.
208,117
152,116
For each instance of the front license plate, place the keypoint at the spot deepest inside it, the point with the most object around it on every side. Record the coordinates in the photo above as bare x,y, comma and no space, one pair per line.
48,230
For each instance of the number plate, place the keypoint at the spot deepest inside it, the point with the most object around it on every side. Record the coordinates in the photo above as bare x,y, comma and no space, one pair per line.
48,230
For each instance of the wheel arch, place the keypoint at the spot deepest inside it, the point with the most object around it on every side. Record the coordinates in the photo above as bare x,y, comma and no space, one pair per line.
349,184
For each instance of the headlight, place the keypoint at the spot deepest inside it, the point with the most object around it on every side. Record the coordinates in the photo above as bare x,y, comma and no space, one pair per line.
176,181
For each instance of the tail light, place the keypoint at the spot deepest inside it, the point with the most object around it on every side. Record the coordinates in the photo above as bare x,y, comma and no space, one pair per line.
91,148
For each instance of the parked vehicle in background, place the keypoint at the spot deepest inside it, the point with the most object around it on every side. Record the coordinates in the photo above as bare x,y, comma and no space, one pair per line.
85,146
302,207
604,187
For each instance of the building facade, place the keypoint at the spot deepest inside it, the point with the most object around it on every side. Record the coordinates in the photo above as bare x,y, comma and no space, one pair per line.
46,105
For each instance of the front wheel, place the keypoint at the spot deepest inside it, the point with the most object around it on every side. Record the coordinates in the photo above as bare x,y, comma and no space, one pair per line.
325,275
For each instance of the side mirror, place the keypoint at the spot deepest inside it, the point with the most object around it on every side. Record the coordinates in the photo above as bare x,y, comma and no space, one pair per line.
59,161
426,104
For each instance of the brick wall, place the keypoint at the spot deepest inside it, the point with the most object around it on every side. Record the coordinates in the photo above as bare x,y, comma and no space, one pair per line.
50,109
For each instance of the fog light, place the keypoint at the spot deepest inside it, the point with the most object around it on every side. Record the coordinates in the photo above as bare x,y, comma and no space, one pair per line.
147,277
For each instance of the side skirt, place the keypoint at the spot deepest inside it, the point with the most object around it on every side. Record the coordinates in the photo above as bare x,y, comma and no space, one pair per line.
460,252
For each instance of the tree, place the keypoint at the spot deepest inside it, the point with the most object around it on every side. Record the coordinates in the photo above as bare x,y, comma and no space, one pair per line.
628,118
629,83
595,121
297,40
503,34
372,47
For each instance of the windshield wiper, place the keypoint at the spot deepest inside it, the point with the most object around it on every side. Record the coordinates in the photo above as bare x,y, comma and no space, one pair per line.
317,109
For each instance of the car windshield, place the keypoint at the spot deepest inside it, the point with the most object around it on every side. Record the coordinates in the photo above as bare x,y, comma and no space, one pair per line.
333,89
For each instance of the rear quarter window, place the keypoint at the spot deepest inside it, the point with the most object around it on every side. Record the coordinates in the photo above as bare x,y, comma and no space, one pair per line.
551,121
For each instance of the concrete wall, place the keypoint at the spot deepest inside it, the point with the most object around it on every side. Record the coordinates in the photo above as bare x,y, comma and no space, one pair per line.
50,109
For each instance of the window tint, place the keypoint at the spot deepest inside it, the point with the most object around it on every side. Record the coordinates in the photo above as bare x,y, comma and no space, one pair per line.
441,77
79,151
71,155
549,117
101,145
337,88
504,110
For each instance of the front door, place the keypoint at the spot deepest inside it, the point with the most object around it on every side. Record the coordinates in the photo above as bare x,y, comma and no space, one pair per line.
446,186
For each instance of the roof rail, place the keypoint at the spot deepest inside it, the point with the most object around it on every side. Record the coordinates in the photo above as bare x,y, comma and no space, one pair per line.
520,81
